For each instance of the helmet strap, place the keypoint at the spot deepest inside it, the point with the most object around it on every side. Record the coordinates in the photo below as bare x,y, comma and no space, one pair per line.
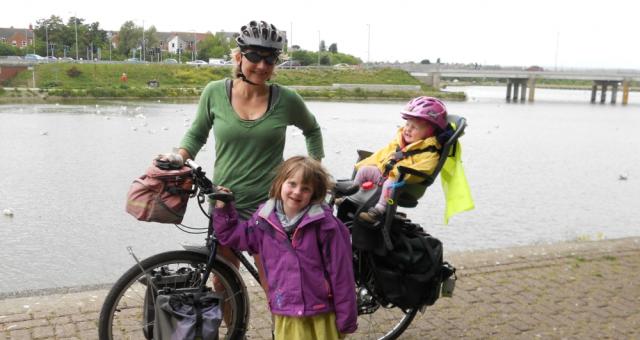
242,76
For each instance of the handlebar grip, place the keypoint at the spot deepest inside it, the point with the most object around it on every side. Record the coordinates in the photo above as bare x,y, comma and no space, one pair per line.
223,196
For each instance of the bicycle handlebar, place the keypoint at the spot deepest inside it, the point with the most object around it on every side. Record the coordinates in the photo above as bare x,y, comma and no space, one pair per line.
206,186
193,165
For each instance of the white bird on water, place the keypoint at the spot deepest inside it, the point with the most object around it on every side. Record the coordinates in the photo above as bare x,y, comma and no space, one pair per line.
8,212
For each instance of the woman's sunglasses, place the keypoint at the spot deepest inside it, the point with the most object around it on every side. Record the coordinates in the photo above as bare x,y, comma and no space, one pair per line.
255,57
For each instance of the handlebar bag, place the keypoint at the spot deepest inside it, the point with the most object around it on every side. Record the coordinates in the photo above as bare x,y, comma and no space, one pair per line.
160,195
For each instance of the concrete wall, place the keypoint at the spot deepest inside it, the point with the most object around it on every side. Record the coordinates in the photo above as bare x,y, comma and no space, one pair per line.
8,72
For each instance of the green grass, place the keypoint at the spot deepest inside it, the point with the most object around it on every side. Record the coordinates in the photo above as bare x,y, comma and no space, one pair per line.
327,77
103,80
57,75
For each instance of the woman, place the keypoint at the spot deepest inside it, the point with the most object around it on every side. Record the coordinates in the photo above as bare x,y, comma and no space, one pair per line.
249,118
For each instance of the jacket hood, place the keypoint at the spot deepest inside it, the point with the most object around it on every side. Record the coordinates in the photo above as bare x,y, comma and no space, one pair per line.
267,211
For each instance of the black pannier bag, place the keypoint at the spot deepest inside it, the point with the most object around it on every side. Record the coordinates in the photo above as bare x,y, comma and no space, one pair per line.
410,275
365,236
187,316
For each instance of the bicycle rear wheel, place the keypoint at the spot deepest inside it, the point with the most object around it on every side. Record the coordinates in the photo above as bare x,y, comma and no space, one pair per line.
377,319
126,313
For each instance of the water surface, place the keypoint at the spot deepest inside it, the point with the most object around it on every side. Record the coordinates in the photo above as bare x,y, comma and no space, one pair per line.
542,172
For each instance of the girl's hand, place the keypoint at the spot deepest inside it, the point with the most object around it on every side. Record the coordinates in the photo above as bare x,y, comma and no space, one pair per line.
219,203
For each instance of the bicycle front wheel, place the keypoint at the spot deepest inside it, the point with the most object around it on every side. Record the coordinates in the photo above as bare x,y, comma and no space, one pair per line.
127,312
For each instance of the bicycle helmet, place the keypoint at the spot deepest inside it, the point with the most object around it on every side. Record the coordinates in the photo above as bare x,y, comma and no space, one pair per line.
427,108
260,34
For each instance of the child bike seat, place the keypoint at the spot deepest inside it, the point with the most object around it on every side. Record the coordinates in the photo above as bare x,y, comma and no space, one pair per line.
407,195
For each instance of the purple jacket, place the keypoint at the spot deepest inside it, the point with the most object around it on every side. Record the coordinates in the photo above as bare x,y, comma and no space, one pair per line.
311,274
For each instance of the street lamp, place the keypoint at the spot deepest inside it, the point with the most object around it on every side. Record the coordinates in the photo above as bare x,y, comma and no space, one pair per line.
143,55
368,42
46,37
75,20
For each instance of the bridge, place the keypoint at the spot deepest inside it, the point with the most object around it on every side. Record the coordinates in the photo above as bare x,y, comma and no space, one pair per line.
520,80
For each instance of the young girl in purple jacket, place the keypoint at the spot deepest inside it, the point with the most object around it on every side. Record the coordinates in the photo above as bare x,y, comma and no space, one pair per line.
306,253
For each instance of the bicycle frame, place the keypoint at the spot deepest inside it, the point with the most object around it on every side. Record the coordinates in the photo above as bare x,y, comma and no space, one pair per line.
203,186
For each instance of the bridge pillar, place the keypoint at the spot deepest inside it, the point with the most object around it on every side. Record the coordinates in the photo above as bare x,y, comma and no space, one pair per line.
614,92
519,87
625,92
435,80
603,93
532,88
604,84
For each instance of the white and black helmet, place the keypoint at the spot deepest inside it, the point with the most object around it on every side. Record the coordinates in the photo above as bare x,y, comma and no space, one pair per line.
260,34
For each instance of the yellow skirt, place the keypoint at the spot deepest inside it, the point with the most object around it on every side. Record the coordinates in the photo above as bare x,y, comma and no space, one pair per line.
318,327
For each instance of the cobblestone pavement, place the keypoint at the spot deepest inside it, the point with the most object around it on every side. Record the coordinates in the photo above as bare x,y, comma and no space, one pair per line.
582,290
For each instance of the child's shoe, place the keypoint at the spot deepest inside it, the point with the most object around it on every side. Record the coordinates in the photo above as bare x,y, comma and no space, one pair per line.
373,215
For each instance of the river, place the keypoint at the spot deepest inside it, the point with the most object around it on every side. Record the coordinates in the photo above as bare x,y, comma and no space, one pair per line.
554,170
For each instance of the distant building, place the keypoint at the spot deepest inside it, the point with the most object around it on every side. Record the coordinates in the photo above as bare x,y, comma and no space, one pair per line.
174,41
16,37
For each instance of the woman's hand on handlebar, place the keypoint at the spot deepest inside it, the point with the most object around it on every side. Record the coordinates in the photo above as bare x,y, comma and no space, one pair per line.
184,153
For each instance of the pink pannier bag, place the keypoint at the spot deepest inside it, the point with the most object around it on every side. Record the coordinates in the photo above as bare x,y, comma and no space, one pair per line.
160,195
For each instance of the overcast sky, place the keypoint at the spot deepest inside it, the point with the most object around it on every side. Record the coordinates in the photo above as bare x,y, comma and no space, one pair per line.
550,33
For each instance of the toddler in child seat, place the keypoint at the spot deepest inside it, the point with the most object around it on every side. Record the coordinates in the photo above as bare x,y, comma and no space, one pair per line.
415,146
306,253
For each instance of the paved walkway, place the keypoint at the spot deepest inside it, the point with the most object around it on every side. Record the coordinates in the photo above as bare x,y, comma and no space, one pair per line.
584,290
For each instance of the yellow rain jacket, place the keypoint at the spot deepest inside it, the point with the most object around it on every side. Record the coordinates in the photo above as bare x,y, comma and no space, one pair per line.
454,182
423,162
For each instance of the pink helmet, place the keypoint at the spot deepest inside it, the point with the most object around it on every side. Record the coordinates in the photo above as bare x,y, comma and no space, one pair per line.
427,108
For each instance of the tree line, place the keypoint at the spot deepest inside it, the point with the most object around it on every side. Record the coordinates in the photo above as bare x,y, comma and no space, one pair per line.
79,39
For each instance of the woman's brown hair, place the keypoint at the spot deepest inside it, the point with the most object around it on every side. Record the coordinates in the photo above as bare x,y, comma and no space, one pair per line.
313,174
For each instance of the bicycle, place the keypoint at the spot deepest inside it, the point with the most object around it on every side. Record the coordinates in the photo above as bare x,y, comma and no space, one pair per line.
127,312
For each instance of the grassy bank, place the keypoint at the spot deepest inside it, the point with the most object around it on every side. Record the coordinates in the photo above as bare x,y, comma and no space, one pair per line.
103,81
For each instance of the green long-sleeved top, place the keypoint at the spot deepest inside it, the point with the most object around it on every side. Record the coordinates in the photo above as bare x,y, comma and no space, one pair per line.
248,151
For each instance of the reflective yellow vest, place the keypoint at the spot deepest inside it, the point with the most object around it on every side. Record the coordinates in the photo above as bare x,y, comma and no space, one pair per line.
455,187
